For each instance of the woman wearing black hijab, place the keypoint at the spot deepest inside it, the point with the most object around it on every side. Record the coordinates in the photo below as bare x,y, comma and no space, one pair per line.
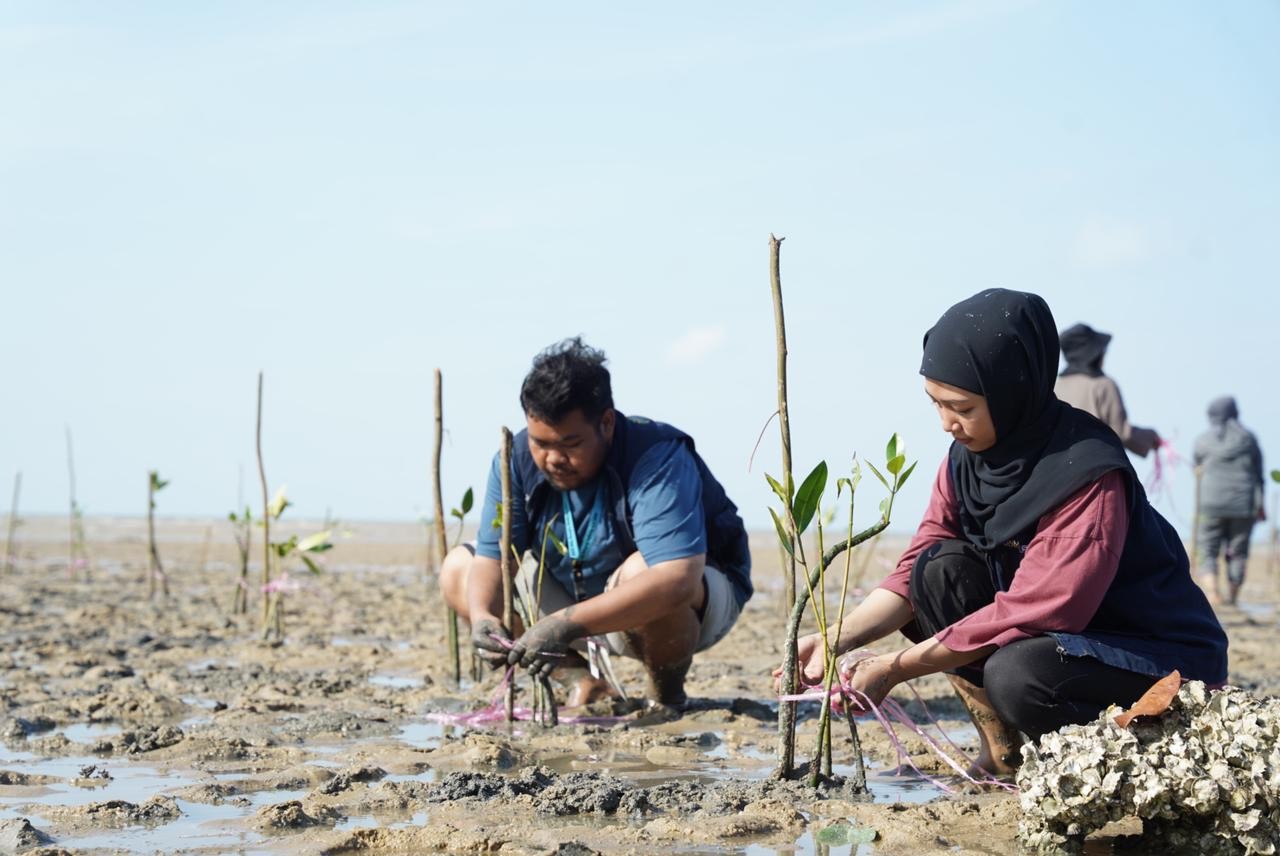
1041,580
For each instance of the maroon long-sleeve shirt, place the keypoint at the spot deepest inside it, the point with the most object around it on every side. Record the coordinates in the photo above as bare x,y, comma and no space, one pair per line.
1066,570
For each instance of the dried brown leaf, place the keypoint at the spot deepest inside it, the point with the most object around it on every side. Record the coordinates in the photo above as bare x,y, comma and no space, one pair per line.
1154,701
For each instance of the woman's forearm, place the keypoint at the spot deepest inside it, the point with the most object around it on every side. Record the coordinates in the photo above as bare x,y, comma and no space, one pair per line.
880,613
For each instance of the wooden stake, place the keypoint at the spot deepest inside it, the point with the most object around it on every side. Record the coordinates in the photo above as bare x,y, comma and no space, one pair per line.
441,537
505,549
266,519
786,709
13,524
154,568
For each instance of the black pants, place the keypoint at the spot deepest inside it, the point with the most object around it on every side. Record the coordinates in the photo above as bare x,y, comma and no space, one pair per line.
1033,686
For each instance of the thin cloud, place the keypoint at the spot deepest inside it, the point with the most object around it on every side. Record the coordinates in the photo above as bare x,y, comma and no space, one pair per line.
1105,243
696,344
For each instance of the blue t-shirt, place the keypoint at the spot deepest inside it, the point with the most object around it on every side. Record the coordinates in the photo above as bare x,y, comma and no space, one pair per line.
665,499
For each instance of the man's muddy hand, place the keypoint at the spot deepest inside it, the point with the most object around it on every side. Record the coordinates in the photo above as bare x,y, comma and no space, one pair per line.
492,651
544,645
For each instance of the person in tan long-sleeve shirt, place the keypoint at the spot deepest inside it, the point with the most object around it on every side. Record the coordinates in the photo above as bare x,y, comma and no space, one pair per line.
1082,384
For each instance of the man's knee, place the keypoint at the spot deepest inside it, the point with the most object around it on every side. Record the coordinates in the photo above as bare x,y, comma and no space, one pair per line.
453,578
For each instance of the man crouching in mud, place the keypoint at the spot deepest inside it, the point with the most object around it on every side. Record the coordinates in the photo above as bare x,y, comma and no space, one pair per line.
655,563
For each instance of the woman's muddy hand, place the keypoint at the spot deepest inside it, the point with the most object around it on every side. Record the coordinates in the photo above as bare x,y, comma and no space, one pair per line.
868,678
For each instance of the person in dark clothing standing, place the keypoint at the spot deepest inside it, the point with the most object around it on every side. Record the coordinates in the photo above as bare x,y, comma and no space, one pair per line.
1041,580
1231,496
1082,384
655,563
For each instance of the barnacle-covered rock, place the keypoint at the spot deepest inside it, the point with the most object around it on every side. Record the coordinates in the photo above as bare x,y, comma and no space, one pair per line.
1204,776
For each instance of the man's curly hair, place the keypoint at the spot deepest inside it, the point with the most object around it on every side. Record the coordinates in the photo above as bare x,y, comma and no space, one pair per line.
567,376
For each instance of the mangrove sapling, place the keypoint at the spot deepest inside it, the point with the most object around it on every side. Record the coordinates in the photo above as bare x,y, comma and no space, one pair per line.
155,569
801,509
279,584
242,528
10,559
442,540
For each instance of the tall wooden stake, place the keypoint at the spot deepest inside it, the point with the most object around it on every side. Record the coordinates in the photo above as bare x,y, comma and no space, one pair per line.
786,709
75,538
13,524
784,418
154,568
266,518
505,547
442,540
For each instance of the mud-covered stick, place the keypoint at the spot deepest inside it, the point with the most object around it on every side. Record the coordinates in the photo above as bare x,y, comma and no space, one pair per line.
13,523
442,541
784,418
504,550
266,518
786,709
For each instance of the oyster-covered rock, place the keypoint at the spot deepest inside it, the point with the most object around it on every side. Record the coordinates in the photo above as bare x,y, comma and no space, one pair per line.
1204,776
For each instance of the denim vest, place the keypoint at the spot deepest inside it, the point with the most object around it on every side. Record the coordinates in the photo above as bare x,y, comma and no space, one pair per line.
1154,618
727,548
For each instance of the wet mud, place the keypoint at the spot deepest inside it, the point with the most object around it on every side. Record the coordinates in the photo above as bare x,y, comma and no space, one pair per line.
137,726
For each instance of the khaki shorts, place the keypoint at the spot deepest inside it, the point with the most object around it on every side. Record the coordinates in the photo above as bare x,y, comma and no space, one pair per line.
718,614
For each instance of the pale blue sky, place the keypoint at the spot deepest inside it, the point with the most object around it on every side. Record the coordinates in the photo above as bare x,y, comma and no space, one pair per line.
348,195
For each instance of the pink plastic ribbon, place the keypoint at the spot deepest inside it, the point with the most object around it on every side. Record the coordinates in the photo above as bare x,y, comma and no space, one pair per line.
496,711
282,585
886,714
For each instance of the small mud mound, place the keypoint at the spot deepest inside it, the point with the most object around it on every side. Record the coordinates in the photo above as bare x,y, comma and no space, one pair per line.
288,815
118,813
344,780
18,835
142,740
13,777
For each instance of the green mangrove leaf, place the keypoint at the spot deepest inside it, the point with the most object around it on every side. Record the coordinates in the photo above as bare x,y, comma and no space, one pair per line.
840,834
468,500
895,447
902,479
316,543
877,474
779,491
809,495
278,503
894,466
311,564
783,538
1275,476
556,542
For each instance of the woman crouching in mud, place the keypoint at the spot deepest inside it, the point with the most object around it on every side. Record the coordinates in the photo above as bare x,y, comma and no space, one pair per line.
1040,580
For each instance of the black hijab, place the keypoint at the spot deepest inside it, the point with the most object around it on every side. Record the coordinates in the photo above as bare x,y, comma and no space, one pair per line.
1084,347
1003,345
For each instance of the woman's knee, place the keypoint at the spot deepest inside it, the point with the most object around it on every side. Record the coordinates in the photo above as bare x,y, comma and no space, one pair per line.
1018,697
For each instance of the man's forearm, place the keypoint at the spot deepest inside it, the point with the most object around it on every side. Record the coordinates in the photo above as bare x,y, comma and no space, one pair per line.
484,588
643,598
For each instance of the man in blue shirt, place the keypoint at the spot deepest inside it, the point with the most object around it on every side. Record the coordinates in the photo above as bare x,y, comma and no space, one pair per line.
655,562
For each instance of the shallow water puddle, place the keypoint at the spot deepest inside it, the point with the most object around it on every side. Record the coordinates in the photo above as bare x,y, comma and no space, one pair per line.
396,682
219,828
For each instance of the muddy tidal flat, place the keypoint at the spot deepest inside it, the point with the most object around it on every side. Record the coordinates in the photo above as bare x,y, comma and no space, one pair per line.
136,725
